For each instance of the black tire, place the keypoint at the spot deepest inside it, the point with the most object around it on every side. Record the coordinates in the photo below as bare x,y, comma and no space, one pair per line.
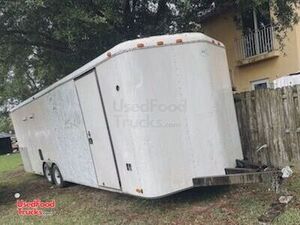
48,173
57,177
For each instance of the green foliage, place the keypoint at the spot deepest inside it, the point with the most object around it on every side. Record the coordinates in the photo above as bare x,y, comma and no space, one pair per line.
5,124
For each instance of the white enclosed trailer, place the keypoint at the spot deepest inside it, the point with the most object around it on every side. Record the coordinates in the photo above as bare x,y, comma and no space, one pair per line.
145,118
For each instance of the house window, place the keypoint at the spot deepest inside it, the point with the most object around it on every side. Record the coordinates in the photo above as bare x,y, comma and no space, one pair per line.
260,84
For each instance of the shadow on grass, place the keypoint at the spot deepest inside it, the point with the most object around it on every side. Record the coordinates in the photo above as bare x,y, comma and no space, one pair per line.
27,185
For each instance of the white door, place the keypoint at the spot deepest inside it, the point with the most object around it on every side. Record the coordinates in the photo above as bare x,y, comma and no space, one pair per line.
97,131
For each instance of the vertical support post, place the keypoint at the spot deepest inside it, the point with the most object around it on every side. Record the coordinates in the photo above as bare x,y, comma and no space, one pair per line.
256,36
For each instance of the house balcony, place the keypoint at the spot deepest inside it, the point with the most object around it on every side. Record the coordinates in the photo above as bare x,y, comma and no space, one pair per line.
256,46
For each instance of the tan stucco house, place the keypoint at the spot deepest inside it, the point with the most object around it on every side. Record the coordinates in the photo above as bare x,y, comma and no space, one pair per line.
254,55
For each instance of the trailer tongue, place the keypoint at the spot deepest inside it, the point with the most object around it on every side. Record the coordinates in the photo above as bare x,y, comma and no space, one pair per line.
245,173
239,178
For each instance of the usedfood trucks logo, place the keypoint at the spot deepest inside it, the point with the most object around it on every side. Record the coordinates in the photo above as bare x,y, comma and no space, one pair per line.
35,207
150,114
151,105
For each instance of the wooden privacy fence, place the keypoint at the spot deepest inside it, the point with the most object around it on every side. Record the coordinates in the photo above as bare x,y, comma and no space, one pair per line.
269,124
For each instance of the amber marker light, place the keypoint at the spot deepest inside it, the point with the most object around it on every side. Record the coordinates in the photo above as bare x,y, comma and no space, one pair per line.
160,43
140,45
178,41
139,191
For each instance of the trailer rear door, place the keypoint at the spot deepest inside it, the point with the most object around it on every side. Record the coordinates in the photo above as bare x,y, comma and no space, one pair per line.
97,131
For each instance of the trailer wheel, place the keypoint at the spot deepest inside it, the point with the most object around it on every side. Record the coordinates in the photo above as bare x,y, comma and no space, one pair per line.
48,173
57,177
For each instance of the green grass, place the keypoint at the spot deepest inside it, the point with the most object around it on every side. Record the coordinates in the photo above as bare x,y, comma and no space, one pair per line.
290,217
236,205
9,162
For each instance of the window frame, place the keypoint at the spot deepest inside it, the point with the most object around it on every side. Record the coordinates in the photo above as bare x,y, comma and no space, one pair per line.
260,81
